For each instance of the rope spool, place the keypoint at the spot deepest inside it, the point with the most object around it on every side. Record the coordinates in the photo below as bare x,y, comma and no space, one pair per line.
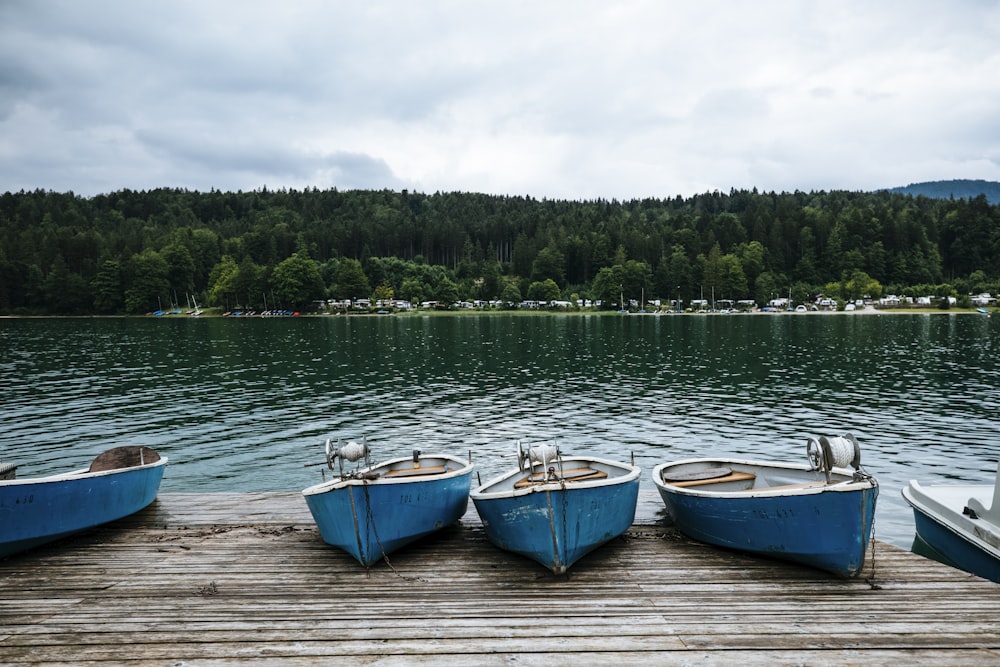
837,452
535,454
543,453
352,452
841,452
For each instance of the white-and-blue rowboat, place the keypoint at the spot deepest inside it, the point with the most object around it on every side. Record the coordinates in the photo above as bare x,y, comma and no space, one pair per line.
555,509
33,511
959,524
818,513
375,510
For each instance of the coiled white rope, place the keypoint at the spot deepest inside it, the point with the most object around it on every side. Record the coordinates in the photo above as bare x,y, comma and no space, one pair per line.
352,452
841,451
528,457
543,453
837,452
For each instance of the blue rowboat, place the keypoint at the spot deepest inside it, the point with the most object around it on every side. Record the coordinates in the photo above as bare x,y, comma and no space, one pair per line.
554,509
119,482
956,524
818,514
375,510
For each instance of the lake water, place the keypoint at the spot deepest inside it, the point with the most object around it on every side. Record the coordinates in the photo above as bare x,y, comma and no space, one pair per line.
244,404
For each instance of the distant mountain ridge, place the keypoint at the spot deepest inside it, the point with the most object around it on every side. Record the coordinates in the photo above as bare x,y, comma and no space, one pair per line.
954,189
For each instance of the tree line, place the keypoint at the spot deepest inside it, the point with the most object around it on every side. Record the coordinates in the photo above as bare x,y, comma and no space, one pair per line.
132,252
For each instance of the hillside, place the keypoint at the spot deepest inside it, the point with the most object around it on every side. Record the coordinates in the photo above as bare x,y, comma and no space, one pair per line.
136,252
954,189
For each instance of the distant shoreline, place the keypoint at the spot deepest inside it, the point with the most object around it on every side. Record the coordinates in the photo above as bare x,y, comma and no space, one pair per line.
490,313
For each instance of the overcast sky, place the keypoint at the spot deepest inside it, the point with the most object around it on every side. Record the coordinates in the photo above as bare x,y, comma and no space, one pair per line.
556,99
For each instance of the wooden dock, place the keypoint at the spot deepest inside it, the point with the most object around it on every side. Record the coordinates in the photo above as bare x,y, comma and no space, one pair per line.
225,579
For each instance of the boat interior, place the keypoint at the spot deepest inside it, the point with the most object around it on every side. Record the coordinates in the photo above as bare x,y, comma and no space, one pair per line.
8,471
726,479
554,474
130,456
418,470
544,463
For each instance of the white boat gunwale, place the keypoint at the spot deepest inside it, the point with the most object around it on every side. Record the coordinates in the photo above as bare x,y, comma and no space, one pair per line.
631,473
82,473
464,467
979,532
845,482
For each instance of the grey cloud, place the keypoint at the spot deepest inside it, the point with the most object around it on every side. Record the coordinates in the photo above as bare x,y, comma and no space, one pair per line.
550,99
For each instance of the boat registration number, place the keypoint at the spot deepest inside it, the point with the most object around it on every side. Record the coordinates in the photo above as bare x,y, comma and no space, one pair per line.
418,497
18,500
774,514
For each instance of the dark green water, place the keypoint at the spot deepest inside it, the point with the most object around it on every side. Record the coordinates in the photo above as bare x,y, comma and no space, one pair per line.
244,404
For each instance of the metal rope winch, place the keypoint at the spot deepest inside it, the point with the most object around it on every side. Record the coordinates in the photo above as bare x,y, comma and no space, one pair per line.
531,455
837,452
352,452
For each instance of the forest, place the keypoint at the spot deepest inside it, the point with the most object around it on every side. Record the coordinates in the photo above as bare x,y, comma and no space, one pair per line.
134,252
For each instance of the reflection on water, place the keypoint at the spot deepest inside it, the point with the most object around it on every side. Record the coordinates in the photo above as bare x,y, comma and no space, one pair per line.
244,404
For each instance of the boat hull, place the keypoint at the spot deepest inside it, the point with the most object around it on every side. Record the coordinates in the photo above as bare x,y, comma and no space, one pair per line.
370,519
826,527
36,511
953,537
556,525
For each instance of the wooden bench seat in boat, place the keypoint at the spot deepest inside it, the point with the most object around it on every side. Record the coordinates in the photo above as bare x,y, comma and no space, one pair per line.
569,475
721,477
699,478
792,487
414,472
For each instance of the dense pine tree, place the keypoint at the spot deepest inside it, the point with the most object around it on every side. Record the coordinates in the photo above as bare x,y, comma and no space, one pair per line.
134,252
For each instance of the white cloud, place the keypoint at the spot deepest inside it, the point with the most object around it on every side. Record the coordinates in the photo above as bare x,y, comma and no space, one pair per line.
560,99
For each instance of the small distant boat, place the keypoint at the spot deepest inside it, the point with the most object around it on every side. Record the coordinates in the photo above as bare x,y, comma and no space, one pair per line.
374,510
33,511
984,311
555,509
817,513
958,527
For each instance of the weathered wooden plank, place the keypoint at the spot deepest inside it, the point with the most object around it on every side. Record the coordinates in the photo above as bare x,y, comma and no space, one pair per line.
333,643
155,628
583,649
333,646
917,658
